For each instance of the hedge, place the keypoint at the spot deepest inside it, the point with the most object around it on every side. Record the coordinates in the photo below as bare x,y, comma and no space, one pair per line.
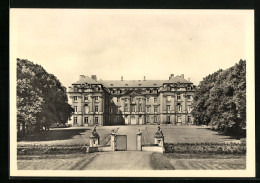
206,148
51,149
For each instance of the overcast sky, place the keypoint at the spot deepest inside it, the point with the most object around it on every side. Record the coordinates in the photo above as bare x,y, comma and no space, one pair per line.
130,43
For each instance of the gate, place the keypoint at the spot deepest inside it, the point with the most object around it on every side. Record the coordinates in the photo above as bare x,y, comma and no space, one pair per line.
121,142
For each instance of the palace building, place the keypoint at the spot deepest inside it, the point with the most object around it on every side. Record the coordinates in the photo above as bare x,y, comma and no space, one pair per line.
131,102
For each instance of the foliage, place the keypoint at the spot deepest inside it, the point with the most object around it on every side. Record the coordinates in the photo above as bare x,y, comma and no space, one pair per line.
51,149
206,148
220,100
41,98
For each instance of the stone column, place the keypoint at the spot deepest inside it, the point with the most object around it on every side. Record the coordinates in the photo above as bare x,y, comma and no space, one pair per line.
113,141
139,141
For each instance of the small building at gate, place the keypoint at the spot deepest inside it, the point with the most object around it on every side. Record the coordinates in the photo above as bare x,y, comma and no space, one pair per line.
131,102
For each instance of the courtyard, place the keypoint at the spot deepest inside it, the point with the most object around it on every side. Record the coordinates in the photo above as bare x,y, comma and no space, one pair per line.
172,134
130,159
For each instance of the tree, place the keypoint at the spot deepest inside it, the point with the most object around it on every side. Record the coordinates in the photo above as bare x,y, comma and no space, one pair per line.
41,98
220,100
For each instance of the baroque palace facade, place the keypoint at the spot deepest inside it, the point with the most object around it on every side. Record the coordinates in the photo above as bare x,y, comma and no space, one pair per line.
131,102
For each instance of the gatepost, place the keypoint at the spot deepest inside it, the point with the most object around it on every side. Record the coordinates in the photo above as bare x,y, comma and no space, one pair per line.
113,141
94,138
159,138
139,141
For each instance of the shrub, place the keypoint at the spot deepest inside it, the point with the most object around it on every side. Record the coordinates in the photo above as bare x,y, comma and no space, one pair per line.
206,148
50,149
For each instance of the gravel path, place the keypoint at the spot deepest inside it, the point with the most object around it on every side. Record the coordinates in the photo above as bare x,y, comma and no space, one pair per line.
120,160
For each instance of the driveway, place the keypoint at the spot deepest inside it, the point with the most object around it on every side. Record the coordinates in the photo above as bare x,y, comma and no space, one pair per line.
120,160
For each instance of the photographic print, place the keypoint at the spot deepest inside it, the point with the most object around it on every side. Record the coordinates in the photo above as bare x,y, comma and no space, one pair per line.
132,93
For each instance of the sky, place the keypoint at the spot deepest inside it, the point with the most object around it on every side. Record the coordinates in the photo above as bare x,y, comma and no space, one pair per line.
131,43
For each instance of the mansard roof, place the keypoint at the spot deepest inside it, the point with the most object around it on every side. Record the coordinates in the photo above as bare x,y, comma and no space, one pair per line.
132,83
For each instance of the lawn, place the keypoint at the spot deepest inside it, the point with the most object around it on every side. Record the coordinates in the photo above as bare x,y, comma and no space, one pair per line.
197,162
185,134
70,136
54,162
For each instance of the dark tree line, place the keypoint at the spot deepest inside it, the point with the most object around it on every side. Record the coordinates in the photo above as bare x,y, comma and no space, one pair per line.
41,99
220,100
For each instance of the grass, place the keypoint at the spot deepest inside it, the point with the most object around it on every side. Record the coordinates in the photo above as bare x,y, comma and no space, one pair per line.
160,162
68,136
186,134
54,162
197,162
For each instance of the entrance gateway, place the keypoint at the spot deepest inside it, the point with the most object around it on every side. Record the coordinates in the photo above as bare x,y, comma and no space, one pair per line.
121,142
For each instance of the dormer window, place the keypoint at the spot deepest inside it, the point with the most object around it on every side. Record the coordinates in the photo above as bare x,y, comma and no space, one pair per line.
154,84
126,84
139,84
111,85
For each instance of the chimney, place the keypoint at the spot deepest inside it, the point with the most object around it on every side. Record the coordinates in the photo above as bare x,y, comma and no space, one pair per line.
94,77
188,79
81,77
171,76
182,75
144,78
122,78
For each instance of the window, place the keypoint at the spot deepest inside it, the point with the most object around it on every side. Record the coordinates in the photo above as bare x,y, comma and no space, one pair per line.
85,119
147,99
151,91
188,88
178,97
75,109
168,108
155,99
75,120
75,98
168,119
86,98
120,91
125,100
155,119
96,98
140,108
189,97
179,107
189,108
155,108
168,98
189,119
168,88
126,108
96,108
147,109
147,119
118,110
96,120
133,108
118,99
111,109
114,91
